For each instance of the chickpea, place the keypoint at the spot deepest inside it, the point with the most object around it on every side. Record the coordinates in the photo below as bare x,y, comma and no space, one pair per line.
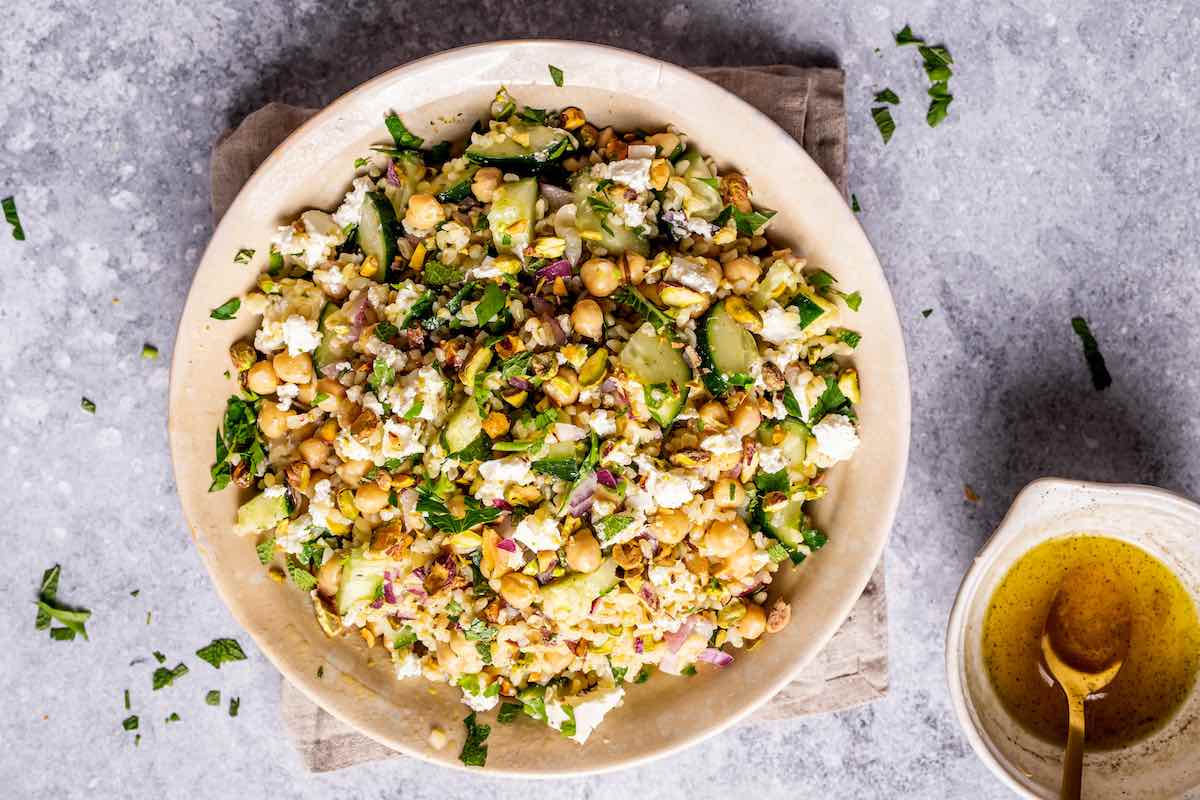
273,422
351,472
518,590
423,214
583,552
485,183
293,369
670,527
753,622
635,267
724,538
370,499
448,660
714,414
307,393
314,452
666,142
600,276
261,378
563,388
728,493
328,577
742,270
746,418
587,319
558,660
739,562
712,270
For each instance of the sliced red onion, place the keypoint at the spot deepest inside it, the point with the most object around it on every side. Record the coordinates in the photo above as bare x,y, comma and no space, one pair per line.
357,312
520,383
556,196
751,590
541,306
451,566
595,603
389,593
556,269
677,637
421,593
638,647
714,656
377,603
606,478
392,176
611,387
647,593
546,575
560,336
508,545
501,503
419,573
583,495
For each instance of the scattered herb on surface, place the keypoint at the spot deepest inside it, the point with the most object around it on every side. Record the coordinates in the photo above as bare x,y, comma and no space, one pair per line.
213,697
173,718
1101,379
159,657
887,96
221,651
905,36
926,312
130,723
10,214
126,699
234,704
87,405
72,620
854,206
149,352
227,310
556,75
164,677
884,122
404,139
243,256
474,750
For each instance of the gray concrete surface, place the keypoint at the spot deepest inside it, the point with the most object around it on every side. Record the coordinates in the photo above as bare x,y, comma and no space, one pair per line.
1062,184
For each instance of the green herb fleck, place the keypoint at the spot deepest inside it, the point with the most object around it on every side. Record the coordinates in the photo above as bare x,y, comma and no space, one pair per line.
493,300
243,256
47,593
404,139
49,609
474,750
508,713
479,630
361,162
611,526
234,704
777,552
173,718
149,352
1101,379
213,697
10,214
556,75
221,651
159,657
227,310
849,337
854,300
165,677
130,723
643,675
238,435
887,96
87,405
905,36
303,579
854,206
126,699
884,122
926,312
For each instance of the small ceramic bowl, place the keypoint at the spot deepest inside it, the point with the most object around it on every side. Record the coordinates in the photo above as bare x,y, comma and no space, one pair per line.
1167,763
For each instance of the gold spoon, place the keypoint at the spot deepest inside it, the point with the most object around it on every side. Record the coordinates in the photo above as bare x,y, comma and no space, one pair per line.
1084,643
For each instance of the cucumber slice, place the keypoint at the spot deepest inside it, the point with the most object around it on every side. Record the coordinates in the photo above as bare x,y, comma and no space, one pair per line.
725,348
705,202
360,580
512,204
260,513
463,427
794,444
569,600
692,165
614,237
336,344
377,232
652,360
546,145
410,169
785,523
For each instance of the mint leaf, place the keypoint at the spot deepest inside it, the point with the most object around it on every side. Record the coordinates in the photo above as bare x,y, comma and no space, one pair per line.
905,36
556,75
164,677
87,405
568,726
303,579
221,651
402,136
884,122
11,216
234,704
227,310
887,96
752,223
213,698
474,750
48,592
71,619
611,526
436,514
479,630
243,256
566,469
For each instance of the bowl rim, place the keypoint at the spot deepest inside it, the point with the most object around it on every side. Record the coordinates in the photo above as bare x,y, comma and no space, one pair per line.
887,493
1006,532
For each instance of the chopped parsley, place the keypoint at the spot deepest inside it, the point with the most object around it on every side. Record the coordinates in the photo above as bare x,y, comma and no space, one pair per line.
159,657
508,712
361,162
854,300
72,620
568,726
227,310
566,469
213,697
405,638
386,331
173,718
479,630
130,723
243,256
87,405
165,677
239,436
492,302
402,136
474,750
234,704
905,36
1101,379
556,75
126,699
752,223
438,515
149,352
887,96
925,312
611,526
849,337
884,122
854,206
221,651
10,214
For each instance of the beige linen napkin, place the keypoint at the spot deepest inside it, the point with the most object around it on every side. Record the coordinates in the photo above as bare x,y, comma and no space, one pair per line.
852,669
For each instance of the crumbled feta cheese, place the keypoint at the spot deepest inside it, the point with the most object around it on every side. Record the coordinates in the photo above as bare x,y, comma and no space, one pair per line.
780,325
408,666
300,335
772,459
401,439
349,212
318,235
407,293
668,489
278,490
630,213
588,709
453,234
349,449
286,394
836,439
631,172
498,474
480,702
566,432
539,532
602,421
690,274
723,443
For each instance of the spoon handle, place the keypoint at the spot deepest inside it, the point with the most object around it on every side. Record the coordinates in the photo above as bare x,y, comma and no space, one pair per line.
1072,778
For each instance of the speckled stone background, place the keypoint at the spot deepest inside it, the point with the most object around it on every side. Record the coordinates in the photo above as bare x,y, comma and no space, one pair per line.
1063,183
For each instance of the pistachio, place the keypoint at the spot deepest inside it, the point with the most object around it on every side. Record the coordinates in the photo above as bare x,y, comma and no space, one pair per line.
573,118
691,458
743,314
327,618
365,426
781,614
680,296
772,377
594,368
242,354
509,346
735,190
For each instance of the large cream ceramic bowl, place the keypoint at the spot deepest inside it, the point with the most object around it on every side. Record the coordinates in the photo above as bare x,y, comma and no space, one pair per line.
440,97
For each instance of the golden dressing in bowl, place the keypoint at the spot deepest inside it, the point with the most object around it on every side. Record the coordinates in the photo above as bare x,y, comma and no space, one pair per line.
1164,647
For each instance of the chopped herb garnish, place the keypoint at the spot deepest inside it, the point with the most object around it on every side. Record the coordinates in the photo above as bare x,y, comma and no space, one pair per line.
752,223
62,634
474,750
905,36
135,592
213,697
556,75
777,552
568,726
238,436
126,699
926,312
435,273
883,121
438,515
149,352
87,405
165,677
243,256
221,651
611,526
227,310
47,593
361,162
130,723
688,671
173,718
854,300
159,657
404,139
72,619
566,469
849,337
939,105
854,206
234,704
643,675
1101,379
493,300
479,630
508,712
887,96
455,193
10,214
386,331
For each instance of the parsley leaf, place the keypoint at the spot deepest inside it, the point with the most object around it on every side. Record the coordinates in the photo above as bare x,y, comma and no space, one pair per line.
849,337
905,36
405,638
556,75
47,593
438,515
925,312
536,116
831,401
611,526
568,727
491,303
752,223
884,122
382,376
11,216
243,256
566,469
213,698
227,310
474,750
404,139
234,704
87,405
72,619
1101,379
130,723
220,651
508,713
854,206
772,481
887,96
238,436
165,677
479,630
854,300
